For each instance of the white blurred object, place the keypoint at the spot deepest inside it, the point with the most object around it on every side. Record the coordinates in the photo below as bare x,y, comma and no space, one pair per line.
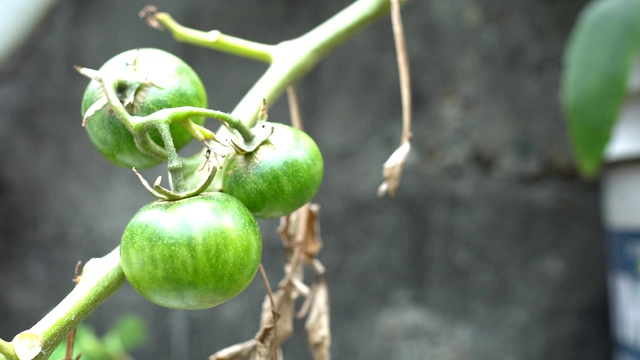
17,19
621,217
625,137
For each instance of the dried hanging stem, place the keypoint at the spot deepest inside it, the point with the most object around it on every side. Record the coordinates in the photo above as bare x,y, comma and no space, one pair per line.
393,167
71,337
274,311
294,108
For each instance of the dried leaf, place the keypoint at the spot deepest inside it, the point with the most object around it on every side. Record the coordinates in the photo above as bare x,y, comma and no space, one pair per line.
236,352
303,227
284,303
318,323
148,13
392,170
313,242
287,234
294,272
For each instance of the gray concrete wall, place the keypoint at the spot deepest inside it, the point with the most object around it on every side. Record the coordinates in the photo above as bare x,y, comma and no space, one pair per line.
492,249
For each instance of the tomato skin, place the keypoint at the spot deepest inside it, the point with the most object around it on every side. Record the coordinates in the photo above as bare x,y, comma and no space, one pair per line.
277,178
178,85
194,253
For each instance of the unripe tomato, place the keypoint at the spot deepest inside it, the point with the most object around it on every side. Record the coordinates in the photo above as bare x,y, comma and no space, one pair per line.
193,253
277,178
172,83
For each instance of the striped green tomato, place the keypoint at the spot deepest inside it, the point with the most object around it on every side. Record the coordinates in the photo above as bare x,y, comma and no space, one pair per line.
278,177
170,83
193,253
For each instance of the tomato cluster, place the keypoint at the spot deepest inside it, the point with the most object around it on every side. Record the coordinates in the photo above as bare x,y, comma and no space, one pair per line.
199,251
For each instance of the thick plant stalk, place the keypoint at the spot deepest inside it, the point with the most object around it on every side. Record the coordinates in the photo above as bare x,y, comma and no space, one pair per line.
100,279
289,60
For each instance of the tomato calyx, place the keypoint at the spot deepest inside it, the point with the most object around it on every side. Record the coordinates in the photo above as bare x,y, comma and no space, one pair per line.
168,195
128,86
256,136
261,133
277,178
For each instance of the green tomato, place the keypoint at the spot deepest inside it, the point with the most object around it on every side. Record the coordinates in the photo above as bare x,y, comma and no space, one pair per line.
277,178
172,83
193,253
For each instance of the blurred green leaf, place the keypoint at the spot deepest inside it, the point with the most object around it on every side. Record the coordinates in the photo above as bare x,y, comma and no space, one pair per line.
86,343
128,333
602,49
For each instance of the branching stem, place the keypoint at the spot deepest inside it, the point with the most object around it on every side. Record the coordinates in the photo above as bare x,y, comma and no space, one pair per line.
294,58
289,59
216,40
174,163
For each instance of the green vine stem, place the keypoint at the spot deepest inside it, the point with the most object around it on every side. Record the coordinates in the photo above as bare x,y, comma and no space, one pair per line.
174,163
103,276
6,349
292,59
100,278
210,39
178,114
289,59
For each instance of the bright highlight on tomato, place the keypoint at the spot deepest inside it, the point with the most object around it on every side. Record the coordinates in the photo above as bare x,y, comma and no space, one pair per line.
277,178
194,253
171,83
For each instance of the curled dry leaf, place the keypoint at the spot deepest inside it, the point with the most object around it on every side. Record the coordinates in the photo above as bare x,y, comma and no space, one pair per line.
318,322
392,170
284,302
265,345
302,228
236,352
313,242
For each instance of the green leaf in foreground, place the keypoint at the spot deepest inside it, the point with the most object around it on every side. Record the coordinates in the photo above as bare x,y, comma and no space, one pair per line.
128,333
601,52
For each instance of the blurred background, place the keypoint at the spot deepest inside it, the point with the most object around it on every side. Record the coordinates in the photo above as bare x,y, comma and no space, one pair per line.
492,248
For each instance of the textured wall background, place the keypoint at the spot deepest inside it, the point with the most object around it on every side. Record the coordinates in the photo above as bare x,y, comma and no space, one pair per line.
492,249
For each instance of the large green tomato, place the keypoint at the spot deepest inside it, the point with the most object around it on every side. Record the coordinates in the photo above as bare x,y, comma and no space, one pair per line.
277,178
193,253
172,83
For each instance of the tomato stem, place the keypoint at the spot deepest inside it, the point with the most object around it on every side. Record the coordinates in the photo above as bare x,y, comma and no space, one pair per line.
101,277
142,139
289,59
294,58
6,350
176,114
216,40
174,164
